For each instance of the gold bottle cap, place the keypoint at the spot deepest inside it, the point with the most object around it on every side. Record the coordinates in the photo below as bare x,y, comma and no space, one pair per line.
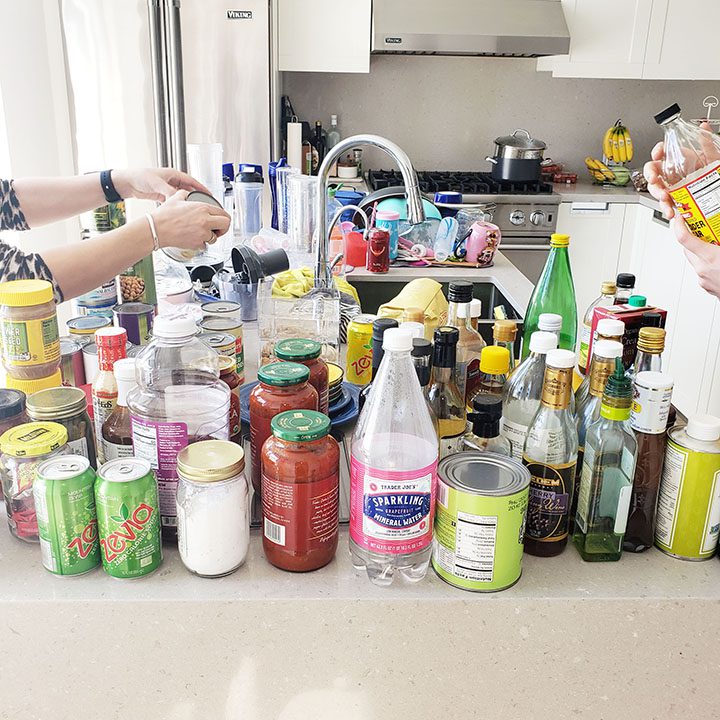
608,288
651,340
211,461
505,330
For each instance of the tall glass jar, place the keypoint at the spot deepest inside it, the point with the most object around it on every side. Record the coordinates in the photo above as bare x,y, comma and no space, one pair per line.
213,508
179,400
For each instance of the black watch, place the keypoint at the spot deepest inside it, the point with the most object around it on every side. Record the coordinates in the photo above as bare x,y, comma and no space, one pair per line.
108,188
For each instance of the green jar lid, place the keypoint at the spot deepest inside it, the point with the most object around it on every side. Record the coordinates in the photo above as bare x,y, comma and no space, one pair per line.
298,349
300,425
282,374
637,301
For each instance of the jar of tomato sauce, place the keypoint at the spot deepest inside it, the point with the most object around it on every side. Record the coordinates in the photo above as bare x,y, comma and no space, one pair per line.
282,386
300,491
228,374
307,353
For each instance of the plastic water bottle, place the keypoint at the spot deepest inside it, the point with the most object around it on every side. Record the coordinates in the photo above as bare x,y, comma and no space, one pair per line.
393,471
445,239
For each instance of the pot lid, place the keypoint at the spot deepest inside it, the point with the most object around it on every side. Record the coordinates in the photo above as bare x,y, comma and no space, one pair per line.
520,139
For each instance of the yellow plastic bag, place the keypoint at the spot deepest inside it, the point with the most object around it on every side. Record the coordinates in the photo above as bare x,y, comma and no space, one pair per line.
423,293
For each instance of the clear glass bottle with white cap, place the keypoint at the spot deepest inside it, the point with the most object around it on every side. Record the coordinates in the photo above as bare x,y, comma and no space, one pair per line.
393,471
179,400
521,395
607,329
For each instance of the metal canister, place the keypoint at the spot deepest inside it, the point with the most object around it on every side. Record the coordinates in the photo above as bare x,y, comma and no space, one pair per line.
221,343
128,518
67,521
71,362
222,309
482,501
687,520
137,319
82,329
233,326
358,369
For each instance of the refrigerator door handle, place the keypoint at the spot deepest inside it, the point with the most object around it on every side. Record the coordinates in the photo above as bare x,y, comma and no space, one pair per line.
175,81
162,120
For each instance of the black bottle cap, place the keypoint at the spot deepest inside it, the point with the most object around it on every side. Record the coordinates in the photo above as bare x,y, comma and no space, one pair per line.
421,348
486,415
12,402
460,291
446,339
625,280
652,319
667,114
380,325
249,177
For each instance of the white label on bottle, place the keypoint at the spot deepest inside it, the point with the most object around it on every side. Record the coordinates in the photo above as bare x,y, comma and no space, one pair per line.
78,447
623,507
553,442
670,489
650,409
584,486
584,345
712,519
515,434
113,451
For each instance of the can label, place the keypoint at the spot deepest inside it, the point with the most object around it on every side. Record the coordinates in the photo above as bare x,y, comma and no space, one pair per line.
392,511
697,199
688,510
650,409
515,433
31,342
113,451
551,489
359,355
137,283
478,541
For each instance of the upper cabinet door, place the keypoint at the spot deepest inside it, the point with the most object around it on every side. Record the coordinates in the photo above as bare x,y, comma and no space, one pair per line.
324,36
607,39
682,43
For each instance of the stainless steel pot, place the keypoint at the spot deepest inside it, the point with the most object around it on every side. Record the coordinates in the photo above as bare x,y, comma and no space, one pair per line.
519,146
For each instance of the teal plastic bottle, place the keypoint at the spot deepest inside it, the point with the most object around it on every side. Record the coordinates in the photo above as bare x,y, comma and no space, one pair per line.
554,293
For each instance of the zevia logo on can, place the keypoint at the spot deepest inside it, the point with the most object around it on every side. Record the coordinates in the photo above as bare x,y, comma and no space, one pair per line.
398,511
130,529
85,541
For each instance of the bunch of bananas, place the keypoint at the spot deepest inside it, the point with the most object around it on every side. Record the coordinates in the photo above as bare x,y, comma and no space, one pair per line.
617,145
601,173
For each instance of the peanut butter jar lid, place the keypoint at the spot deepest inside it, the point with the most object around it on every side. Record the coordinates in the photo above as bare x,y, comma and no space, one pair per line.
210,461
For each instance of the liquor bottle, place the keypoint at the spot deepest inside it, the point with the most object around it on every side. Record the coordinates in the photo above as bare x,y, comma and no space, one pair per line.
393,472
317,145
550,455
554,293
494,369
470,343
117,441
504,333
607,298
650,347
652,394
607,474
652,319
443,394
485,433
379,326
521,395
602,366
624,287
422,360
607,329
331,140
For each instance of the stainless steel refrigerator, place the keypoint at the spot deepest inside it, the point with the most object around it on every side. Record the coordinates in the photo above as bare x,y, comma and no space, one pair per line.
147,76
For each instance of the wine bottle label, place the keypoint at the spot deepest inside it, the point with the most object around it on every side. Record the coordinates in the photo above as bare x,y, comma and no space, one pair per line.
614,413
698,201
473,379
551,488
557,387
515,434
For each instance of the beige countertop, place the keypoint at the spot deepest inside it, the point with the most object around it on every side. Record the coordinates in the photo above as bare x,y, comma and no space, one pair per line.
584,191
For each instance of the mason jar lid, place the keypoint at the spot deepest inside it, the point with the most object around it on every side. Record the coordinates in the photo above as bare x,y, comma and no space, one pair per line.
56,403
25,293
282,374
33,439
298,349
300,425
12,402
210,461
226,364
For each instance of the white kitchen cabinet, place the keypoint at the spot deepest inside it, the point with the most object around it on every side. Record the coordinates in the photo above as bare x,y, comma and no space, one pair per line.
324,36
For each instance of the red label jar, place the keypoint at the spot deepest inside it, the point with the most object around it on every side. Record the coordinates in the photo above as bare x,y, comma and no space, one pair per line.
300,491
228,374
307,353
282,386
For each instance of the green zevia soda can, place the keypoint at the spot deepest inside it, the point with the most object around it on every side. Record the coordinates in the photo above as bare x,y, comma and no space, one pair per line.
67,522
482,501
128,518
687,520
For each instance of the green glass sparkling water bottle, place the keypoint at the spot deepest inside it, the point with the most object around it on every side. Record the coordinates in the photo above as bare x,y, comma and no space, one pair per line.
554,293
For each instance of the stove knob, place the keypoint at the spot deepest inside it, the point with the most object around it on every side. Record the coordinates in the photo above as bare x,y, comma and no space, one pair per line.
537,218
517,217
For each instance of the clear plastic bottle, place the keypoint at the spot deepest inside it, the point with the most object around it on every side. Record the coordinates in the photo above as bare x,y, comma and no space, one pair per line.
691,170
179,400
485,433
394,440
521,395
606,299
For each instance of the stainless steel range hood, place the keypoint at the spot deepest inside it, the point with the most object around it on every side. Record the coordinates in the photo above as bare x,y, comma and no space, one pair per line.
508,28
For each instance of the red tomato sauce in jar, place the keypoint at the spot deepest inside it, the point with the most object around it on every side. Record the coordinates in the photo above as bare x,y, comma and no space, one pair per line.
282,386
307,353
300,492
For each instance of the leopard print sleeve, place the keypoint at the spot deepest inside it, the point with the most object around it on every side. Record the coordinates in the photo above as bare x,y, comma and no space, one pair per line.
11,216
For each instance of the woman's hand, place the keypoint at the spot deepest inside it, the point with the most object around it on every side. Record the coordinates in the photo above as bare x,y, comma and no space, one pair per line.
153,183
189,225
703,256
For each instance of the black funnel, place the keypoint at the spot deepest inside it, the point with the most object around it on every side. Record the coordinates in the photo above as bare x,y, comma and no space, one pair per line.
252,267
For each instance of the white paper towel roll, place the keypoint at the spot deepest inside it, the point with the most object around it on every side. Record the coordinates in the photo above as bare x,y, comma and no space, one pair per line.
294,144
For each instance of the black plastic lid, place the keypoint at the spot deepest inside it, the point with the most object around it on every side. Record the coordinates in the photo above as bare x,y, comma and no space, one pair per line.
446,339
667,113
251,266
421,347
249,177
485,418
652,319
625,280
460,291
380,325
12,402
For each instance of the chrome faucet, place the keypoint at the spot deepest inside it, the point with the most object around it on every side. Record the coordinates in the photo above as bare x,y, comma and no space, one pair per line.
415,211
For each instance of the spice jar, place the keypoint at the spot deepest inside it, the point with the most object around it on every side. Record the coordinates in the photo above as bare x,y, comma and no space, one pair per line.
66,406
30,336
213,508
282,386
228,374
307,353
300,491
23,448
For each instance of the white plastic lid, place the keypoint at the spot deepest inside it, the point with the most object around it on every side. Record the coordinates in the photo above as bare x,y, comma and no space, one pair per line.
608,349
550,322
543,342
560,358
124,370
416,329
463,309
654,380
387,215
397,340
704,427
610,327
475,308
173,327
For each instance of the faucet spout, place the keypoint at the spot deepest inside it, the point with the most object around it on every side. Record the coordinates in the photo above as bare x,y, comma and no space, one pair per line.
415,211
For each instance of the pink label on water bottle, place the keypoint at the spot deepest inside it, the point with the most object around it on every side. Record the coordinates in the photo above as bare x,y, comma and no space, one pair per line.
392,511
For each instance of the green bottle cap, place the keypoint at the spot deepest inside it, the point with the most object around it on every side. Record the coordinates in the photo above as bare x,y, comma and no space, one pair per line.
297,349
637,301
282,374
617,397
300,425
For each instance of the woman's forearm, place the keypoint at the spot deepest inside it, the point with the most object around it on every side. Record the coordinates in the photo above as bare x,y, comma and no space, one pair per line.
81,267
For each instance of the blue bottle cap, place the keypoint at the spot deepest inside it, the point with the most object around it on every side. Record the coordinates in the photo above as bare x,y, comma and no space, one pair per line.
228,171
449,198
